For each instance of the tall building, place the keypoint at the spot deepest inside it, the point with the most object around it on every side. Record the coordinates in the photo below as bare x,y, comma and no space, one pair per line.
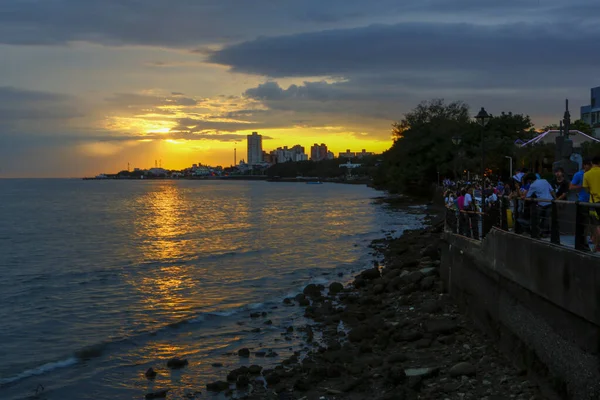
318,152
347,154
255,152
285,154
591,113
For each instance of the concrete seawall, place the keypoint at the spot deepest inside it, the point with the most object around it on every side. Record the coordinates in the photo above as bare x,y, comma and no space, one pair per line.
539,301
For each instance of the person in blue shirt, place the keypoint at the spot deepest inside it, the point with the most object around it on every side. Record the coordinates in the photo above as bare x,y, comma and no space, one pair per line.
577,182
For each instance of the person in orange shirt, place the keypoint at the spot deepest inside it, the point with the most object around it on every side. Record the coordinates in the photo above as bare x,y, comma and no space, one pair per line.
591,183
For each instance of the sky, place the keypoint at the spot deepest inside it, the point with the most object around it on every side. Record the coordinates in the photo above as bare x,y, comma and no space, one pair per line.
88,87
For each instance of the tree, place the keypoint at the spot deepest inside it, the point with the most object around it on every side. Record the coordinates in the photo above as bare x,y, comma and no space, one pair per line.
423,145
577,125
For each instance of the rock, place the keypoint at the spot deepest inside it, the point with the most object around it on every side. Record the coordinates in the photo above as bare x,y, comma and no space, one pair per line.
413,277
217,365
333,371
378,289
255,330
396,375
217,386
451,387
427,283
287,300
176,363
422,372
430,306
150,373
301,385
268,322
242,381
303,302
463,368
441,326
255,315
370,274
429,271
313,290
254,369
335,288
415,382
397,358
423,343
161,394
260,354
290,329
408,336
244,353
271,354
272,378
233,375
361,332
365,348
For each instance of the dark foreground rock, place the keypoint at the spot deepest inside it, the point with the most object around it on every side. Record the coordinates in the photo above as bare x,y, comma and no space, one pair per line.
403,338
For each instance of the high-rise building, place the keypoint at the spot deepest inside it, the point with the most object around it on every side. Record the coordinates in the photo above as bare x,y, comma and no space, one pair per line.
590,114
255,152
318,152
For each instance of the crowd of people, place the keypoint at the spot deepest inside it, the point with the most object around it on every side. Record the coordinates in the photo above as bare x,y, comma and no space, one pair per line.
464,198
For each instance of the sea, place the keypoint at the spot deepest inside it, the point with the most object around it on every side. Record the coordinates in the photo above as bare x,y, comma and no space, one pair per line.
101,280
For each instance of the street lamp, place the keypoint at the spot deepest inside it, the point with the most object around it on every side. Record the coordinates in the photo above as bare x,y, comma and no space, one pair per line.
482,119
510,158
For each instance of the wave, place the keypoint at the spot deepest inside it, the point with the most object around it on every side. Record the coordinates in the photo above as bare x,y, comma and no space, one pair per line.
97,350
51,366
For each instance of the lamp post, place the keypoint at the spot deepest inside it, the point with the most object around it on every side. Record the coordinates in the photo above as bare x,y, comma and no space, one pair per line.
510,158
482,119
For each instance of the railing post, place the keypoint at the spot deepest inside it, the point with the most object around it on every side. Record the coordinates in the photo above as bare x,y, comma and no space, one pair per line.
554,227
580,236
518,227
503,212
535,221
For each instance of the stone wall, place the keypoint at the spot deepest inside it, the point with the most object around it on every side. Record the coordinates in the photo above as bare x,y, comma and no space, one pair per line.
539,301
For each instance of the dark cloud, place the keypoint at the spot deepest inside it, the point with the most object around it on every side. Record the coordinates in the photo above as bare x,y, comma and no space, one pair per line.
191,23
410,47
26,106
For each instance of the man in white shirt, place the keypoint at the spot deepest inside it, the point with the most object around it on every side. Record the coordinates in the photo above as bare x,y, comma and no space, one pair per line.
473,217
541,189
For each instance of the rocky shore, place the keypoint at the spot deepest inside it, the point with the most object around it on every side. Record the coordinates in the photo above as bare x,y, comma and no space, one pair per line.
390,334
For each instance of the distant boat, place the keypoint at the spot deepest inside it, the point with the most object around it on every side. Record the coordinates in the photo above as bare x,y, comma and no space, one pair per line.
314,183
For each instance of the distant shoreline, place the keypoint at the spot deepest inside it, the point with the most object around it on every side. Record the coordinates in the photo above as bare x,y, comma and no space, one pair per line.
362,181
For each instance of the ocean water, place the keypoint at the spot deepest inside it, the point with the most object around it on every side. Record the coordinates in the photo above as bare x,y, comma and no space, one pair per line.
100,280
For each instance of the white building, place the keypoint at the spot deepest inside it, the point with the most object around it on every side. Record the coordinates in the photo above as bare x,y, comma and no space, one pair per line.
255,149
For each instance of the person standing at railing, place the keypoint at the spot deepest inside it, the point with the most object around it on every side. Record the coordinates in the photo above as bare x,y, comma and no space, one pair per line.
541,189
560,184
473,217
591,183
583,197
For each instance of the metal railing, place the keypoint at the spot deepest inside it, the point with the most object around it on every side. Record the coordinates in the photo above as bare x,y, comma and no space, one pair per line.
561,222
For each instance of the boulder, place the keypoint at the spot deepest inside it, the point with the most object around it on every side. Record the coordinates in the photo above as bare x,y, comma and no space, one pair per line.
370,274
242,381
396,358
244,352
254,369
233,375
150,373
463,368
161,394
218,386
177,363
313,290
427,283
414,277
396,375
335,288
441,326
